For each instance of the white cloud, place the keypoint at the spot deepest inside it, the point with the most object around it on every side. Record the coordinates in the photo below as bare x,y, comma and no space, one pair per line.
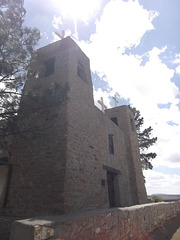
124,72
79,9
177,59
122,24
157,182
178,69
57,22
177,62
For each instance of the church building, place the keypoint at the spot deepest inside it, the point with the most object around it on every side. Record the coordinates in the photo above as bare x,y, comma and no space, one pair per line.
69,156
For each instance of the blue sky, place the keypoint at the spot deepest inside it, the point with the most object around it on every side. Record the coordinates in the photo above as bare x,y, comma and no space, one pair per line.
134,50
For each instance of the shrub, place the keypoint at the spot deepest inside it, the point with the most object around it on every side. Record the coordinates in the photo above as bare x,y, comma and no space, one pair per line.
157,199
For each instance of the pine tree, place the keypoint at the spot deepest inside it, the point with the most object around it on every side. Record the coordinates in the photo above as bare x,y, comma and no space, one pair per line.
144,140
16,49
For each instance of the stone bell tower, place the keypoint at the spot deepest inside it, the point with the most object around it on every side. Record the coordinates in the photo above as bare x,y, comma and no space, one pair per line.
59,75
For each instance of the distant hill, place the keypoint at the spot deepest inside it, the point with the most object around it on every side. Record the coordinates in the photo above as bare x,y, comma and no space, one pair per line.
167,197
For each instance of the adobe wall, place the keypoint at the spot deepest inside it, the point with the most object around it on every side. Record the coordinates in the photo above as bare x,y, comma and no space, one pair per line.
136,222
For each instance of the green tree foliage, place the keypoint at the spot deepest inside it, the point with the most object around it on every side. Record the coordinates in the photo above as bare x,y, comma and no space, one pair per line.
157,199
144,140
16,49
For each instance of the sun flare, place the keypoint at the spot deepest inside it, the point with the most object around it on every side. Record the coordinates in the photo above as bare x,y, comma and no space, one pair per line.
78,9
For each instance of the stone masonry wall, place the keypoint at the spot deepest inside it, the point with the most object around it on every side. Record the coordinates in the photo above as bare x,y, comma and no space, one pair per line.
38,154
126,123
136,222
88,152
88,147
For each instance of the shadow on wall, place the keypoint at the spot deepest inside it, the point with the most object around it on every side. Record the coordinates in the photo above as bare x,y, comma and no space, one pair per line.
168,230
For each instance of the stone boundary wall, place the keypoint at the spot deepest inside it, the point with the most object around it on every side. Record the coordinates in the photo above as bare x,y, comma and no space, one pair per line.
127,223
5,226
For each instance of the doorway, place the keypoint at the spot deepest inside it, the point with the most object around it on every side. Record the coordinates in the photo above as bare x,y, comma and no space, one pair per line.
4,170
113,189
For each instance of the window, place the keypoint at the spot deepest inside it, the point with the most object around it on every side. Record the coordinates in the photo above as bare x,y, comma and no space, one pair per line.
114,119
4,160
49,67
132,124
111,144
81,71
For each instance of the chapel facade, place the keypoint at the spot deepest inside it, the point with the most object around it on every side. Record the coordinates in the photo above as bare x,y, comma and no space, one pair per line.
70,156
